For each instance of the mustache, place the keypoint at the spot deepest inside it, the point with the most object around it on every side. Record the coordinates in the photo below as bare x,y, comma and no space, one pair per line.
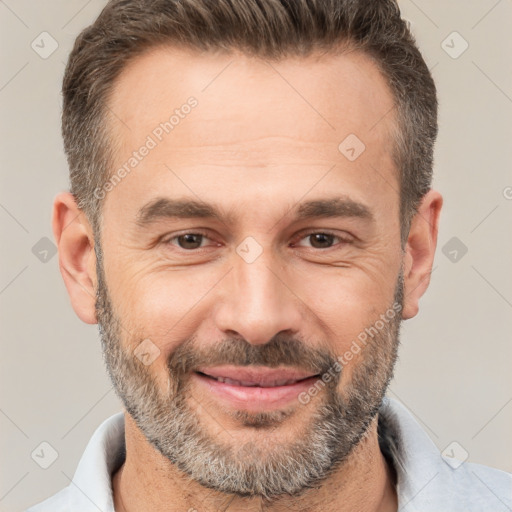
279,351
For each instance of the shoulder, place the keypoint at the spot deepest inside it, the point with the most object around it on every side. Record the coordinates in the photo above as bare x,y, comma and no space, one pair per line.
90,489
478,486
427,480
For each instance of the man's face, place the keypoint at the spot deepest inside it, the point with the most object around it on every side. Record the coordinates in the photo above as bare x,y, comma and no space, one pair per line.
269,282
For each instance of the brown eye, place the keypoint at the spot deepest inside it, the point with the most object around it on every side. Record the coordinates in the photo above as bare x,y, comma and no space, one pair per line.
190,240
321,240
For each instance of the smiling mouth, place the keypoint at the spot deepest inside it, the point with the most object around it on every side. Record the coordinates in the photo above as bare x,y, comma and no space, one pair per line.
271,384
254,388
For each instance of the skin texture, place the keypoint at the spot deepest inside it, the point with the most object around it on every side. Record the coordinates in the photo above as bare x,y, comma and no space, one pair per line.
263,138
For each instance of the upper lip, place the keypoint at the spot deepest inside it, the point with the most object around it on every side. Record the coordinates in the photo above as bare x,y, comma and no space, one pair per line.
257,376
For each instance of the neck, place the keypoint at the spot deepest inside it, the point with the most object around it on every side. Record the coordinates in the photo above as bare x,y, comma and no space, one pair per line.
148,481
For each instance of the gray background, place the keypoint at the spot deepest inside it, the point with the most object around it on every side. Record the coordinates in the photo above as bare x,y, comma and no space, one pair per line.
454,368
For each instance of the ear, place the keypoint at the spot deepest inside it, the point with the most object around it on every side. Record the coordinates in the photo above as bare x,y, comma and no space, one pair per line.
77,260
419,251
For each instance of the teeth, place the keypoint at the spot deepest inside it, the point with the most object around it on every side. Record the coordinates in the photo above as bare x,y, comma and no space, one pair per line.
251,384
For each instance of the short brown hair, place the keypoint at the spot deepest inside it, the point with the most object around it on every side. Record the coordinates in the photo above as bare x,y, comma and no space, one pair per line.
271,29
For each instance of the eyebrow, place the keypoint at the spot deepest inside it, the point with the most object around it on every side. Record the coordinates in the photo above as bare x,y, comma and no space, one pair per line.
165,208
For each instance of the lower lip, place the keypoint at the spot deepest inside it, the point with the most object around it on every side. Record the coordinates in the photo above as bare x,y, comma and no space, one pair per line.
254,397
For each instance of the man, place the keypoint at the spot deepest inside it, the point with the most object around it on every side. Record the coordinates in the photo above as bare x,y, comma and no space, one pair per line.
250,218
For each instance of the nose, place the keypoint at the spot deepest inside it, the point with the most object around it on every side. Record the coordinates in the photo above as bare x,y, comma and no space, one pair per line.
257,303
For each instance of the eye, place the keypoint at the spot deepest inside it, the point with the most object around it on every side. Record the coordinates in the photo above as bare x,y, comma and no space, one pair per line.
322,240
188,241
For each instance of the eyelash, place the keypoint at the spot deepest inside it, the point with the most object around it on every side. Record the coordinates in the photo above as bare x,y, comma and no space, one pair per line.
299,238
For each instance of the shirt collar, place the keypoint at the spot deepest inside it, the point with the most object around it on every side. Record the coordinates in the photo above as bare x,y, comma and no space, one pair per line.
104,455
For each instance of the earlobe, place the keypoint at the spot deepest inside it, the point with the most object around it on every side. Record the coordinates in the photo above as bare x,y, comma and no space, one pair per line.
77,259
420,251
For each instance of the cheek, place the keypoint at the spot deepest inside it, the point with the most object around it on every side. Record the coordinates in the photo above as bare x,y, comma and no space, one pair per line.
346,304
162,306
347,299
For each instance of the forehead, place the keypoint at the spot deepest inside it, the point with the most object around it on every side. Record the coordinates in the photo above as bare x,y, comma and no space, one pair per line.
284,118
328,92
